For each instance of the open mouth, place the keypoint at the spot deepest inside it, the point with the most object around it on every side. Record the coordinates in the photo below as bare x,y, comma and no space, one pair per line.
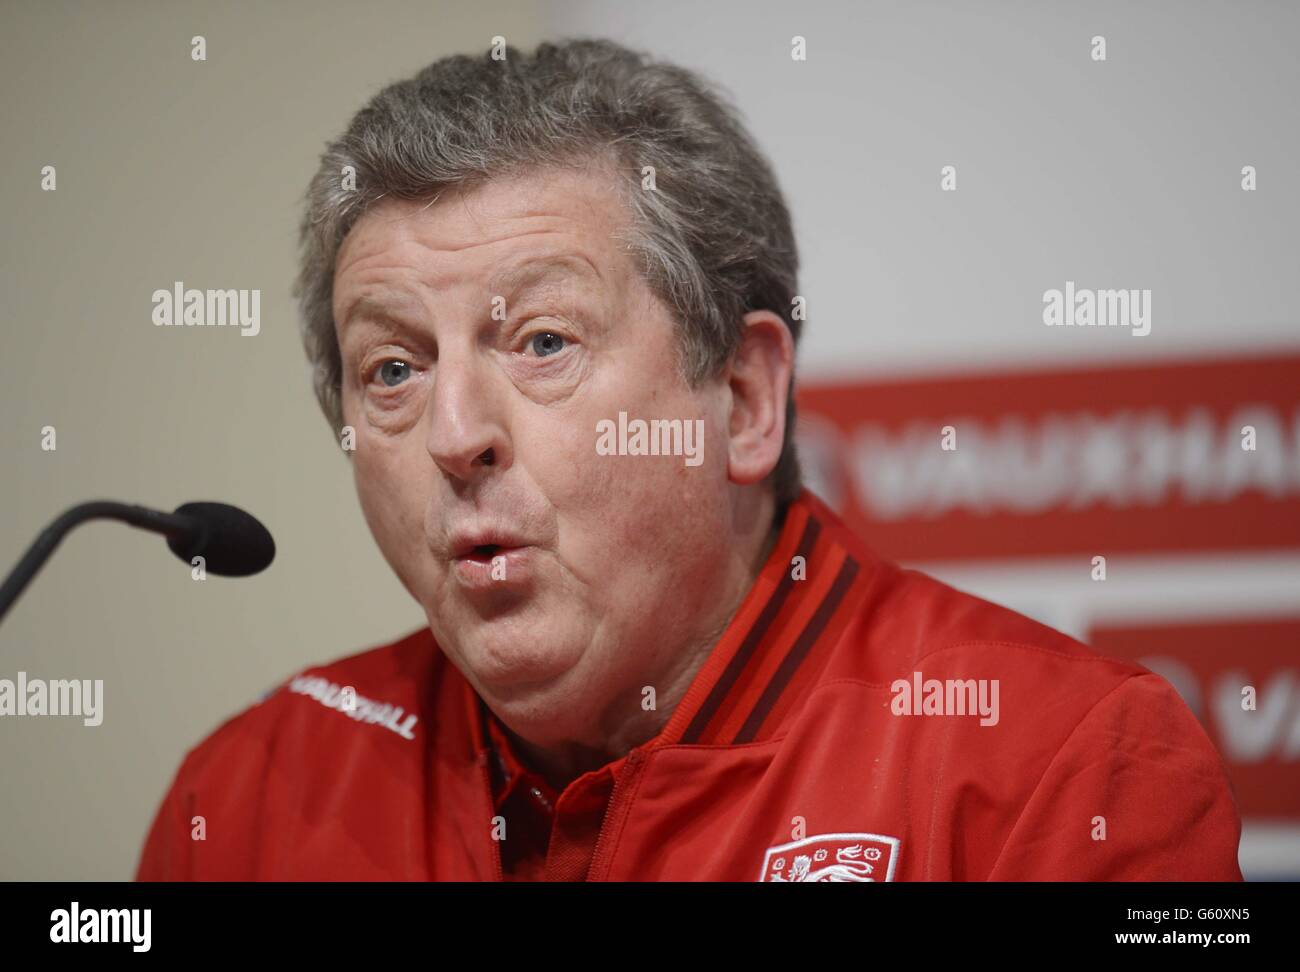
484,552
482,547
505,564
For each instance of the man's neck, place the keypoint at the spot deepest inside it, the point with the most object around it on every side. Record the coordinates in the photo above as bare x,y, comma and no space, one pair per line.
559,765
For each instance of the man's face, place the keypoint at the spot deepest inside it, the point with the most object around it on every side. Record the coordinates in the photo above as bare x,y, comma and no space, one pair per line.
483,339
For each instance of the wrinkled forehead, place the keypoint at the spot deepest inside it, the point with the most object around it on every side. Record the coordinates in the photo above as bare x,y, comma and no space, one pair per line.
583,205
564,223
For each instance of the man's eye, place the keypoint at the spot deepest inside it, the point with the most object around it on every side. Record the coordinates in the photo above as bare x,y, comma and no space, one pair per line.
394,372
547,343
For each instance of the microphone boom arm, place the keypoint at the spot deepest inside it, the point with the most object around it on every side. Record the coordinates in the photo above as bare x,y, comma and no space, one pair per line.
171,525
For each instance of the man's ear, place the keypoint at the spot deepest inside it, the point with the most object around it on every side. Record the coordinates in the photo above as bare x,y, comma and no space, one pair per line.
759,380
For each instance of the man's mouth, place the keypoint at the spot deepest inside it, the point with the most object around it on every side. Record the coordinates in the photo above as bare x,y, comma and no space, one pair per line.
483,545
490,558
485,552
495,567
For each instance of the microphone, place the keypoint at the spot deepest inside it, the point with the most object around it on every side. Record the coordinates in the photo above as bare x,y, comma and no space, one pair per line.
233,543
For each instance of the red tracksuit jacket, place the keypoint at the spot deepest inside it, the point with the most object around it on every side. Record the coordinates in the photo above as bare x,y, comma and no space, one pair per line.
856,721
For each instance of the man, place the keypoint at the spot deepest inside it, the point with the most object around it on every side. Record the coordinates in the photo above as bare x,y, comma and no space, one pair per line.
550,300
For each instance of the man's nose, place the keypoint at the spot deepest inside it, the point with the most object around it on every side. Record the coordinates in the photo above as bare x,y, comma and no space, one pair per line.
467,430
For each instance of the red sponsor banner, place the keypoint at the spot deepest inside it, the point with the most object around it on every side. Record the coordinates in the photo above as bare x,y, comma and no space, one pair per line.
1182,456
1242,679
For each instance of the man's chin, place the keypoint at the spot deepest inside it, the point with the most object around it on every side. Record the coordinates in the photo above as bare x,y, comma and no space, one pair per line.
505,665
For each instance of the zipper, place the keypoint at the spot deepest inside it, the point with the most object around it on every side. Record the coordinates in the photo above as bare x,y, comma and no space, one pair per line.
615,814
485,773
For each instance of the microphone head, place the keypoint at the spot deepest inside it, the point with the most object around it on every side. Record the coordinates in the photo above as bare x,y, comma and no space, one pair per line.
231,542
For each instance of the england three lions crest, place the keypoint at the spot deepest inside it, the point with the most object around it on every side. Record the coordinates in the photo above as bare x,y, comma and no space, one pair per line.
833,857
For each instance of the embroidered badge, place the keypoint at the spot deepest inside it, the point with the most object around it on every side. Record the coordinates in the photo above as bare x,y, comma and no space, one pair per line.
833,857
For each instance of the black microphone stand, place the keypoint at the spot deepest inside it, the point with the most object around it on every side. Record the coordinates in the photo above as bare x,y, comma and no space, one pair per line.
178,528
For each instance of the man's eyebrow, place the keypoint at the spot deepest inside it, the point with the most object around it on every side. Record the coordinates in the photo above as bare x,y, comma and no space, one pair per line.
527,273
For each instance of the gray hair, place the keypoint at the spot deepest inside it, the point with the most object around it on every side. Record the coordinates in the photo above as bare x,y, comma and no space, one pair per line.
712,241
